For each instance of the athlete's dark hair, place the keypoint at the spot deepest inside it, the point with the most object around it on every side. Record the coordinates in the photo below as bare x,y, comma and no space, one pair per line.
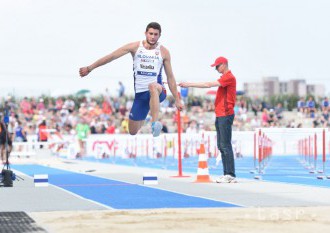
154,25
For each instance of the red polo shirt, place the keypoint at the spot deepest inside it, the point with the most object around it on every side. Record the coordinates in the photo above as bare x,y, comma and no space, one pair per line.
226,95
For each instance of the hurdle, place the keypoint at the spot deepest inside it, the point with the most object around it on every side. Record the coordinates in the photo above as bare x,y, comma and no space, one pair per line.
180,175
313,168
307,148
264,153
323,171
255,168
29,148
308,144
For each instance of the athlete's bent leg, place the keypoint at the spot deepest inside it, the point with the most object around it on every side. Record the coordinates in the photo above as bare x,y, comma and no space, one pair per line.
155,89
134,126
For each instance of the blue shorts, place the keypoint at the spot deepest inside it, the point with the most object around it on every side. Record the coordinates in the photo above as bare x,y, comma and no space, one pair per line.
141,106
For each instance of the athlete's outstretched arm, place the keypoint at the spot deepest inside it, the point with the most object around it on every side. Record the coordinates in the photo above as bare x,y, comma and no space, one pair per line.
170,78
129,48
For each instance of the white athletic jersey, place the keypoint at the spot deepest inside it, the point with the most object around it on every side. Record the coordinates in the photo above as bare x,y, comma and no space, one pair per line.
147,67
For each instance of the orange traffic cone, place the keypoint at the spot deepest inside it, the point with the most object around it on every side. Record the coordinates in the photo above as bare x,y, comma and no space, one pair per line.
203,170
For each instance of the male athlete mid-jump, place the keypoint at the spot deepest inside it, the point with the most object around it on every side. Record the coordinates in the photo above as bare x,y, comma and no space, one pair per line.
149,58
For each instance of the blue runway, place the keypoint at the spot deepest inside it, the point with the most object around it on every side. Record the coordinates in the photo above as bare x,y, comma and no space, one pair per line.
288,169
116,194
284,169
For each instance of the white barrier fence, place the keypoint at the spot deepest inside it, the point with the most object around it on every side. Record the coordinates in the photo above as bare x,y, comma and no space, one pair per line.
164,145
124,145
56,145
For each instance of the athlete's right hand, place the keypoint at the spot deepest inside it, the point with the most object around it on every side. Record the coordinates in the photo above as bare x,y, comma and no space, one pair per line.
83,71
179,104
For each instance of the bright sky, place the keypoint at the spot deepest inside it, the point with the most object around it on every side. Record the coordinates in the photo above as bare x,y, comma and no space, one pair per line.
43,43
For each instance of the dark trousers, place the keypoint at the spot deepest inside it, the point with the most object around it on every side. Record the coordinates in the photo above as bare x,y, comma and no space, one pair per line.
224,131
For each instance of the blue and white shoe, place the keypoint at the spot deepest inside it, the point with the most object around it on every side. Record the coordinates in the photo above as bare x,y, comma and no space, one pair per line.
156,128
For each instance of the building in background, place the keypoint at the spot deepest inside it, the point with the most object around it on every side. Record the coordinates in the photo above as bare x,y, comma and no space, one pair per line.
254,89
270,86
316,90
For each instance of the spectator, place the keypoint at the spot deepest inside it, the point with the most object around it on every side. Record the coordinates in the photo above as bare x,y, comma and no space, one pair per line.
196,105
70,105
271,117
72,119
255,123
111,128
325,104
242,112
92,126
310,105
82,131
264,105
256,106
164,106
279,111
165,128
26,109
83,111
33,104
51,107
121,90
100,127
185,119
116,104
12,105
124,125
192,128
59,104
122,109
264,118
208,106
67,129
64,113
325,118
42,132
41,105
129,104
107,107
30,129
19,135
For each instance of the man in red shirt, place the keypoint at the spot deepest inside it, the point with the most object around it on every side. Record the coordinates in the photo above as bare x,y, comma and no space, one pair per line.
224,111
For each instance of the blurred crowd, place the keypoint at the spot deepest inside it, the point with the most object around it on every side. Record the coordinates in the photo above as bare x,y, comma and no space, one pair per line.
107,114
308,113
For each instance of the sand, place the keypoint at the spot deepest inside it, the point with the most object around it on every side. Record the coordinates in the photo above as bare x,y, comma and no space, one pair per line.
283,220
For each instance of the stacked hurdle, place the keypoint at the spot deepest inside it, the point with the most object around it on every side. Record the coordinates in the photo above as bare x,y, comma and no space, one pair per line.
265,151
307,148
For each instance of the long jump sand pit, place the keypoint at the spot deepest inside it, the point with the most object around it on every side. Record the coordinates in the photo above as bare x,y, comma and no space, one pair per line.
284,219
